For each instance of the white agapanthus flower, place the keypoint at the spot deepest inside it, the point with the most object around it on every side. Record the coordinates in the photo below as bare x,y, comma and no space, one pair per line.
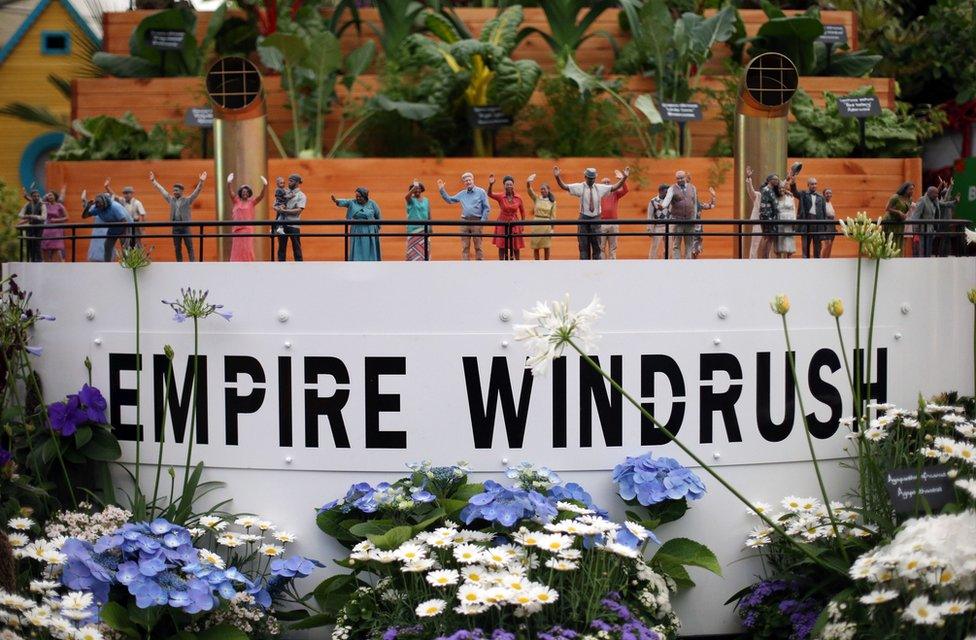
551,325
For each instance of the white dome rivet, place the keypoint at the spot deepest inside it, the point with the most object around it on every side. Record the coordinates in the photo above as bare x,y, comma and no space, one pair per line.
905,308
897,336
98,341
289,460
716,341
283,315
90,313
722,313
716,455
504,460
287,344
505,315
504,344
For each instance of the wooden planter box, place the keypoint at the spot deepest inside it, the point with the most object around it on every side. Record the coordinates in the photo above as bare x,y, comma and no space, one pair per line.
597,51
858,185
166,100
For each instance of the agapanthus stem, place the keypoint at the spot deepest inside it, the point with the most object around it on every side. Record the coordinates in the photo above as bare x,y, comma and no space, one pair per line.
139,434
874,301
162,434
670,436
974,350
858,359
843,352
193,399
64,470
813,453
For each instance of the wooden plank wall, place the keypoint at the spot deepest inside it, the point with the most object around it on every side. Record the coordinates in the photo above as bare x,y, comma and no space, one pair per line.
166,99
857,184
596,51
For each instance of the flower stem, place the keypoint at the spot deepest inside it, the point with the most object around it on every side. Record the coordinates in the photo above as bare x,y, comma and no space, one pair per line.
813,453
775,526
64,469
193,399
139,434
162,435
858,358
874,301
843,352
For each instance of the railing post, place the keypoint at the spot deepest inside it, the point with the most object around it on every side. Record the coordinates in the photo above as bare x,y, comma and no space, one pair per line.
345,242
667,238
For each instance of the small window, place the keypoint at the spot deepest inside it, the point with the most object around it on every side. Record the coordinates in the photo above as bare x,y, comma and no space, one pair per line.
55,43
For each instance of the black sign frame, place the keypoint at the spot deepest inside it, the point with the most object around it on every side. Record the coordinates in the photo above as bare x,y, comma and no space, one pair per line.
681,111
489,116
912,489
165,39
834,34
858,106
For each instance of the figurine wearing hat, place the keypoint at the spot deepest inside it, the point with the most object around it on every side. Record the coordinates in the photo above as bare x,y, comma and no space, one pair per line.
590,194
291,211
134,206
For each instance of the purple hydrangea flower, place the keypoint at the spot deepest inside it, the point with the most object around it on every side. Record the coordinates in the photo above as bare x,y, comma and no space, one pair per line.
5,456
651,481
294,567
506,505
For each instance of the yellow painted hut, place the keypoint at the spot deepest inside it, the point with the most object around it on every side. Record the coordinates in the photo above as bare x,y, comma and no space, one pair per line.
38,38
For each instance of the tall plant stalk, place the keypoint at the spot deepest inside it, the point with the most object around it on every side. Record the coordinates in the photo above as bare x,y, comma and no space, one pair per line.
874,302
803,549
806,431
193,398
858,356
162,433
139,433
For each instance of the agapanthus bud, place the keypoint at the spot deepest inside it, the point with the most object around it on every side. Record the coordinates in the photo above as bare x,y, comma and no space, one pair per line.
972,295
168,352
780,304
836,307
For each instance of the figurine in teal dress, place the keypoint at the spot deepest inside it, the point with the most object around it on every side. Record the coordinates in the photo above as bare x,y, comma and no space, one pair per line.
364,239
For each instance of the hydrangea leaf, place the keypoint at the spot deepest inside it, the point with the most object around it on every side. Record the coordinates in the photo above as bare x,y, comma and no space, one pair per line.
688,553
392,538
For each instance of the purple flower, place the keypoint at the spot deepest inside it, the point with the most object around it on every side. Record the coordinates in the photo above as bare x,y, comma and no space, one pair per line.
94,404
506,505
5,456
294,567
66,416
34,351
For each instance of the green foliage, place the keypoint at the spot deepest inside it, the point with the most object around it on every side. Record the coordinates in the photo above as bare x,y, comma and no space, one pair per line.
455,73
796,38
569,20
555,129
308,56
110,138
725,97
822,133
10,204
144,61
674,555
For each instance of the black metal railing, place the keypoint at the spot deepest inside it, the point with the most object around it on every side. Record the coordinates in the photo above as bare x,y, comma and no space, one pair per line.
937,237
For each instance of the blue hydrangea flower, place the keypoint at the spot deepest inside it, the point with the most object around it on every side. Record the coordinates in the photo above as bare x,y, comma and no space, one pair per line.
294,567
506,505
651,481
572,491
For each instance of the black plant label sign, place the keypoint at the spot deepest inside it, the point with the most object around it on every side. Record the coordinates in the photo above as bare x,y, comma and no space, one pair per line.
165,39
859,107
912,489
681,111
490,116
833,34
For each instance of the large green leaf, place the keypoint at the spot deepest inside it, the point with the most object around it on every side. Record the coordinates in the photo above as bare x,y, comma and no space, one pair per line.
416,111
583,80
688,553
115,616
36,114
357,62
853,64
322,55
103,446
514,83
371,527
441,27
502,30
710,31
392,538
645,104
125,66
183,62
291,48
332,593
221,632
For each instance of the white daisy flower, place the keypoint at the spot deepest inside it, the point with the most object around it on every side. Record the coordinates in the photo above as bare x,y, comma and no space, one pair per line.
528,538
967,485
471,594
211,558
43,586
271,550
442,578
88,632
210,522
382,556
17,539
475,574
411,552
417,566
76,601
430,608
955,607
544,594
20,524
761,507
792,503
560,564
230,540
467,553
284,536
922,612
573,508
879,596
556,543
264,525
246,521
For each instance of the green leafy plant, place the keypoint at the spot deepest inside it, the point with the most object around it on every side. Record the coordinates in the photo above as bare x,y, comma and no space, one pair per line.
796,38
822,133
464,72
110,138
145,61
9,205
569,21
674,51
554,130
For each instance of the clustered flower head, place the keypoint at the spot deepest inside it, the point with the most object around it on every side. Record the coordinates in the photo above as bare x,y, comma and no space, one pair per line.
871,236
552,325
530,477
805,520
924,578
787,598
860,228
652,480
193,304
17,318
86,406
135,257
443,480
364,497
85,523
506,505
